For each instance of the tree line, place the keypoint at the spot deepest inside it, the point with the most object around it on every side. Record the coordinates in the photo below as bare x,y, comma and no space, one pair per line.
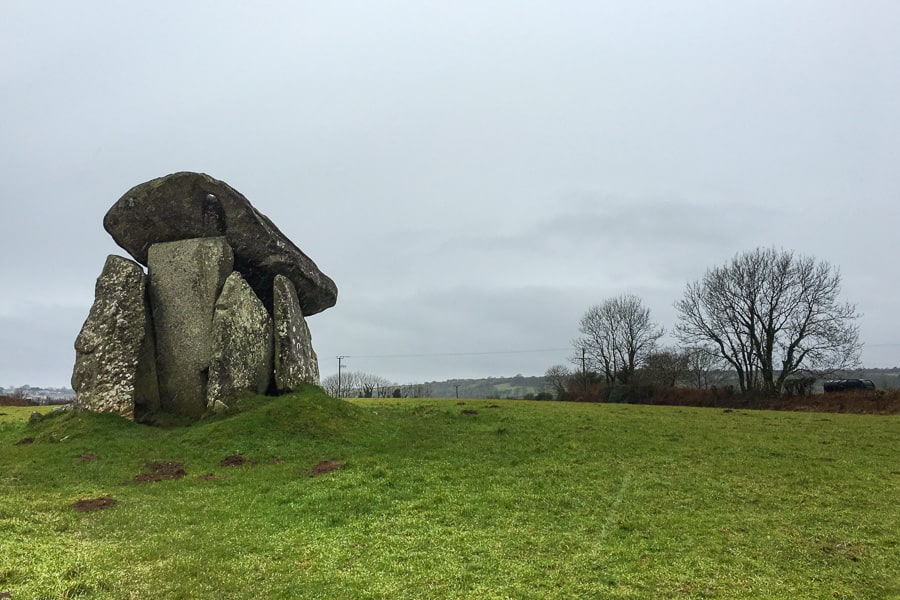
771,317
358,384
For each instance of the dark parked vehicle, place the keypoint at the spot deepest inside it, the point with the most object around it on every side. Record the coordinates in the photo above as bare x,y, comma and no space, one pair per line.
845,385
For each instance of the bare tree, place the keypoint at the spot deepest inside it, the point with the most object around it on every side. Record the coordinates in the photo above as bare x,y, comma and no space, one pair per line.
352,384
704,366
416,390
369,385
771,314
666,367
330,385
557,379
618,336
386,390
338,386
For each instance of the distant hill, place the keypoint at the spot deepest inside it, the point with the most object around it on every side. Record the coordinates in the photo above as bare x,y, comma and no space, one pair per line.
492,387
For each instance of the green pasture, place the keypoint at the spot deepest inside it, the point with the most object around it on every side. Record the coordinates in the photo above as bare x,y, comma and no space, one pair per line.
513,500
18,414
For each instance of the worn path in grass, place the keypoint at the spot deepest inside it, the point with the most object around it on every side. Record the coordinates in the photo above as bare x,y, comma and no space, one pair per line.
434,499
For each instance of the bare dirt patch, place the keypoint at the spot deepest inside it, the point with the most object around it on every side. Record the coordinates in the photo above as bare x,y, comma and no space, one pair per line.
211,476
234,460
86,457
469,411
274,461
91,504
494,406
326,466
160,471
25,441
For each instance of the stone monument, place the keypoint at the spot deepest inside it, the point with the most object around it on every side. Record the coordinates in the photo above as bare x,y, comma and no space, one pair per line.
222,308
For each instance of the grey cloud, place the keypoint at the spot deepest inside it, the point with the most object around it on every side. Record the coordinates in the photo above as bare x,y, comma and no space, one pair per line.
39,345
484,327
459,172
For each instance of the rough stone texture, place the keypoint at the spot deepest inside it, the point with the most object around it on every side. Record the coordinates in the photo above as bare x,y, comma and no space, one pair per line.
193,205
242,343
295,360
185,280
114,352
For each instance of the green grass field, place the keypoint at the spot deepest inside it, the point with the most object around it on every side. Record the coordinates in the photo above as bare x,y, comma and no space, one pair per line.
520,500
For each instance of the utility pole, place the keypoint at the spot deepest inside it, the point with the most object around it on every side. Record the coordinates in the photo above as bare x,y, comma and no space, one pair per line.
583,369
340,358
457,391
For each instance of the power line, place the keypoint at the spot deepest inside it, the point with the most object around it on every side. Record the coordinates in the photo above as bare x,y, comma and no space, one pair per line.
439,354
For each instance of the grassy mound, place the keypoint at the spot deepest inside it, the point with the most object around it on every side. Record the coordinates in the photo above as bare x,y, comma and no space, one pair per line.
308,496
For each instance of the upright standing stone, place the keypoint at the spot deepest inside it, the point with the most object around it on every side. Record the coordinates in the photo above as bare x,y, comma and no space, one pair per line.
295,360
114,352
242,343
185,280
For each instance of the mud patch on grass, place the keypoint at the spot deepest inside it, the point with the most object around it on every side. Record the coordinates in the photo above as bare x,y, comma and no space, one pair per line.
86,457
25,441
274,461
234,460
326,466
92,504
160,471
468,411
211,477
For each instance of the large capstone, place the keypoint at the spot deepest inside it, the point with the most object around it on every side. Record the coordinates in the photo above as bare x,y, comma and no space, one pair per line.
242,344
295,360
186,278
193,205
114,352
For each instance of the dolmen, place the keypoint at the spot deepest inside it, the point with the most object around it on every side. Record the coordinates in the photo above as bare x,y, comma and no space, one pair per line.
221,308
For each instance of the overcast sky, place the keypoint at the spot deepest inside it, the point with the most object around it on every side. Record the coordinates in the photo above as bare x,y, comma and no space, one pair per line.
473,175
